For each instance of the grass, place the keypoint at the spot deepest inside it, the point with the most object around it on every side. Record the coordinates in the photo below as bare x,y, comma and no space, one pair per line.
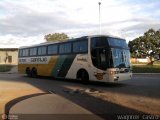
146,68
5,68
137,68
143,63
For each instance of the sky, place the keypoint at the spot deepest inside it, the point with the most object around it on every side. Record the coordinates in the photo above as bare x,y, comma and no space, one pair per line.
26,22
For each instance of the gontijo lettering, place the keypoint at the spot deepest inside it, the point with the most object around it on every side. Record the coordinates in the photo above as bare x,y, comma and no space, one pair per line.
40,59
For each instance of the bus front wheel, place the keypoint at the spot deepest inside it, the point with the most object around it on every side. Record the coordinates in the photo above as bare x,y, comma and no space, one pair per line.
83,76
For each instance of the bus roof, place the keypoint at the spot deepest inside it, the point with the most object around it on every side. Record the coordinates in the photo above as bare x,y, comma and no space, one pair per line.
105,36
74,39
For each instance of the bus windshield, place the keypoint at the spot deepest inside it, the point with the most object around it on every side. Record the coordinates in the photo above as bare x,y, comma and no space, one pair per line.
107,52
121,58
117,42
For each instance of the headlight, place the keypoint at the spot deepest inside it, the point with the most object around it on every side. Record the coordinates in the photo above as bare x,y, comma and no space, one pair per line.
113,72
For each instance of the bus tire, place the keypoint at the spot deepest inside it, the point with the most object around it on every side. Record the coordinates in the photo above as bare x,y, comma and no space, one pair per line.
28,72
34,73
83,76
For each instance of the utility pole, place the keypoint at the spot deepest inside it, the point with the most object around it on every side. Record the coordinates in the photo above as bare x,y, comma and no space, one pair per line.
99,3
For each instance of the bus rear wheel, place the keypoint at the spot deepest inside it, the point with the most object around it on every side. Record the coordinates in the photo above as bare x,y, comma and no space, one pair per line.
34,73
28,72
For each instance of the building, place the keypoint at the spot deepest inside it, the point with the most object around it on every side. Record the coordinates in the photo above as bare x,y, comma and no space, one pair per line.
9,56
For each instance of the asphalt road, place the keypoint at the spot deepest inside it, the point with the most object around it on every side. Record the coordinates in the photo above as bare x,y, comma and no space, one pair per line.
138,96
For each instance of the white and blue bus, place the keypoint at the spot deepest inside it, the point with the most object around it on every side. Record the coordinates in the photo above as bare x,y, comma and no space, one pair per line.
96,58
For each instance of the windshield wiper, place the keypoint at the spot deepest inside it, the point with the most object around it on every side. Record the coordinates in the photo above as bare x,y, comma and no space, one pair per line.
122,65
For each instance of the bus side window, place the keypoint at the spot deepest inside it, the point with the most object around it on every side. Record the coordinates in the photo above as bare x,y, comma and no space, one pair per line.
75,47
65,48
61,48
42,50
83,46
52,49
25,52
33,51
80,46
20,53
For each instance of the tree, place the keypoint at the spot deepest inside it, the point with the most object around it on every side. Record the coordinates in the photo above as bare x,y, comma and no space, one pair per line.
56,37
147,45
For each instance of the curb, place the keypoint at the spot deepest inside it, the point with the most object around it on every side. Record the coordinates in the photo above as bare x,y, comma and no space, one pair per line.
8,72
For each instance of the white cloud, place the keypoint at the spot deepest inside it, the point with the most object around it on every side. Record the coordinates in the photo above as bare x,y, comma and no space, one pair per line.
26,22
11,41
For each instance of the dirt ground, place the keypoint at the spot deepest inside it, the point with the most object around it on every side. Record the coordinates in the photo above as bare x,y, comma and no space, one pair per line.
140,94
11,90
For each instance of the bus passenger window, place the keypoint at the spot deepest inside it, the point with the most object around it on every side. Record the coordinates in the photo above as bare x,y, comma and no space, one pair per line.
33,51
76,47
83,46
20,53
25,52
61,48
65,48
80,46
42,50
52,49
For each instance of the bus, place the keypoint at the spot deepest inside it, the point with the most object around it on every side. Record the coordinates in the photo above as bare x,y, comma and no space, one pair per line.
95,58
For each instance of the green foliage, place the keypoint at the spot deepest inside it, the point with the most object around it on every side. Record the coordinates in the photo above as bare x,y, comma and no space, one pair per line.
146,45
56,37
146,69
5,68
